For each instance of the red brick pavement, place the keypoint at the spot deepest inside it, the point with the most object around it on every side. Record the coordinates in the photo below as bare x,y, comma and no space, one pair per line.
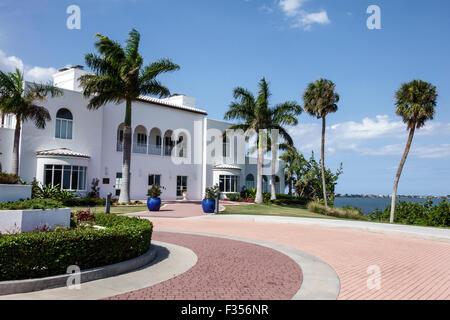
226,269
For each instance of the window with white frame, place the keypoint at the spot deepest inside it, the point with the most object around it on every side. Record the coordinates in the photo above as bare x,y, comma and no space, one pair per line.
154,179
67,177
64,124
181,185
228,183
118,184
225,147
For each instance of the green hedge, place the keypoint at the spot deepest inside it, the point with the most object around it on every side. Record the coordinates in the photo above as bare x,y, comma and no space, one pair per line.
36,255
8,178
84,202
425,214
286,200
31,204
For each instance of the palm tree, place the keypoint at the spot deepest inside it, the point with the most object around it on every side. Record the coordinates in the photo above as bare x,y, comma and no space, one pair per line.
257,115
120,76
320,99
291,165
20,99
415,103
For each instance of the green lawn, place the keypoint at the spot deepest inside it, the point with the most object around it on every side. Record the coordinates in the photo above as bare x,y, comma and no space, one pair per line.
273,210
114,209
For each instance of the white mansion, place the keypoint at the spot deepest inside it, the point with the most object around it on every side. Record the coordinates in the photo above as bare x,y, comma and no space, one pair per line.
172,142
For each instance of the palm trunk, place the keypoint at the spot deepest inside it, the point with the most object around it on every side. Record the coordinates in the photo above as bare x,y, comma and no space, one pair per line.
324,186
126,163
3,120
399,172
290,185
259,197
15,154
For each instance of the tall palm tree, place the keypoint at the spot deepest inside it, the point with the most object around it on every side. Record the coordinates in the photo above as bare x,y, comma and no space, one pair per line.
257,115
120,76
291,165
415,102
320,99
20,99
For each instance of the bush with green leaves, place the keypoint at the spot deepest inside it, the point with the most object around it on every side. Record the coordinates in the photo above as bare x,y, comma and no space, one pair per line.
287,200
155,191
84,202
233,196
36,255
42,204
8,178
211,192
424,214
49,192
346,213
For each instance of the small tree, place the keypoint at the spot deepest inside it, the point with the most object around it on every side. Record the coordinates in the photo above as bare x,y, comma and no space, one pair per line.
21,99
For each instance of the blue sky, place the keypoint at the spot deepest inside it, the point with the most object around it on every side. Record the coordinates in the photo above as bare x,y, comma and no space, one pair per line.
223,44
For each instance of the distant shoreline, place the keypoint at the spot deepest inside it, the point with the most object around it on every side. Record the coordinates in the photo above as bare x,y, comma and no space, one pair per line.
389,197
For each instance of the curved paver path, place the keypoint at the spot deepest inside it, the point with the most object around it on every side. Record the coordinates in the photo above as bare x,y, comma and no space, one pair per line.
226,269
410,268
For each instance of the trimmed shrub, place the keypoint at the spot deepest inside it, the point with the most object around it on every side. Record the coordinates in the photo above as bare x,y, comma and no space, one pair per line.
287,200
346,213
36,255
8,178
31,204
84,202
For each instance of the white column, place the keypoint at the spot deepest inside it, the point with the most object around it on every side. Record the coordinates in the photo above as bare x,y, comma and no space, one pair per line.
205,127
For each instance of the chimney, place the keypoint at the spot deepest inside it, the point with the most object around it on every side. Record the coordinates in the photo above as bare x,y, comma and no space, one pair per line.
67,78
181,99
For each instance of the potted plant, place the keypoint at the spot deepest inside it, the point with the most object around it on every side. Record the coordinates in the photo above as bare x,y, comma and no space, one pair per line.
209,202
154,201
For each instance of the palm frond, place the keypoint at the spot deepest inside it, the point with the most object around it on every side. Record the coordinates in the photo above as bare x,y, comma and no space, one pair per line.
156,68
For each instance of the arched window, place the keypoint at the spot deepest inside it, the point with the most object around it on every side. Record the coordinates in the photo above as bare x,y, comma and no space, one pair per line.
64,124
249,181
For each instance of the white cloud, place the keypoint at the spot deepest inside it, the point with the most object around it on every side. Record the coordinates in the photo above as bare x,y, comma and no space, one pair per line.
38,74
291,7
357,136
302,18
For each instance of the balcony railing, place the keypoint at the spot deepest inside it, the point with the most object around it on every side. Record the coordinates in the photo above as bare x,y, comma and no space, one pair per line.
139,148
168,151
154,149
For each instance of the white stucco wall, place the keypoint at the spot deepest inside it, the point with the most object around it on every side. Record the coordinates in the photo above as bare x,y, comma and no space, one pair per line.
14,192
95,134
6,147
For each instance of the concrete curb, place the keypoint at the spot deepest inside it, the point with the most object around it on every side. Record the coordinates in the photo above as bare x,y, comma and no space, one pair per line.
170,261
31,285
320,281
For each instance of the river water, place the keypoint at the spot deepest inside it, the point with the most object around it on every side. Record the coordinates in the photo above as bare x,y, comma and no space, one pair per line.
368,205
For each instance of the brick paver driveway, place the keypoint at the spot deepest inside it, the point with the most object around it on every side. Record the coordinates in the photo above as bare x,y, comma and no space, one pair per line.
410,268
226,269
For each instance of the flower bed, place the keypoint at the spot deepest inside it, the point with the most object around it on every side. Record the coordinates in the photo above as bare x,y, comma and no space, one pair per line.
36,255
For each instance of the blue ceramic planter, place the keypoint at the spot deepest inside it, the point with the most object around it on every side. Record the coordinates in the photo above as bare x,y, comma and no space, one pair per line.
153,204
209,205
